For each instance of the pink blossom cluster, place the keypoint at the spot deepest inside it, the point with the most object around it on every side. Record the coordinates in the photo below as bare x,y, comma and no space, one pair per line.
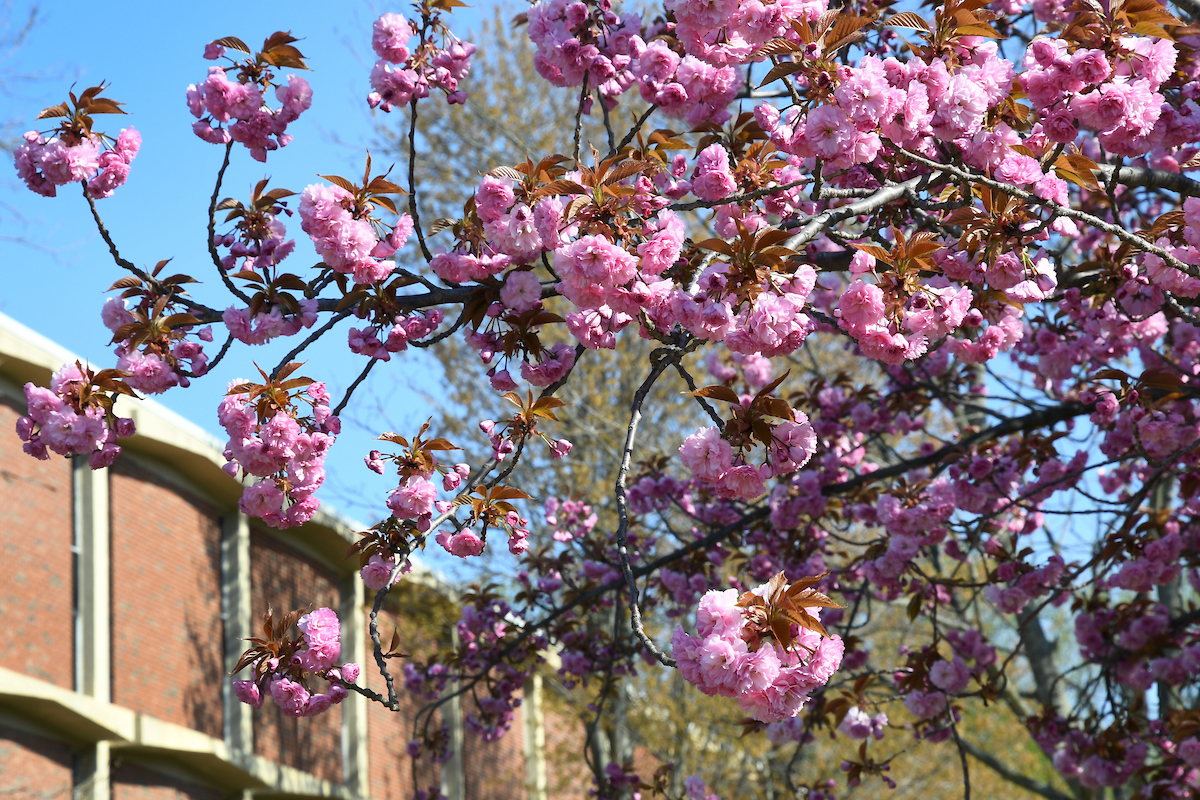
400,75
1014,597
47,163
374,342
287,681
575,38
380,572
1072,759
237,111
349,242
1099,333
712,461
697,789
687,87
1113,93
155,367
571,519
465,542
1157,565
256,248
504,444
770,683
57,421
859,725
724,33
619,781
284,448
485,629
931,313
270,322
414,502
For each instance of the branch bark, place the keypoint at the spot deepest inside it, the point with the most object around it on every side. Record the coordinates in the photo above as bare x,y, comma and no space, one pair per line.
1011,775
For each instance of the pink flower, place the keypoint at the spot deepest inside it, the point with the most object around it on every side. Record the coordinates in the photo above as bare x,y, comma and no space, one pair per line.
412,499
377,572
718,614
1189,751
291,697
718,664
317,704
1019,169
320,626
758,670
389,35
924,705
706,454
825,660
742,482
828,132
860,306
950,676
462,544
712,179
248,693
521,291
1090,66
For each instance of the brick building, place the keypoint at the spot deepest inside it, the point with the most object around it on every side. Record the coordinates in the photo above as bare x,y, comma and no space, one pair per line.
127,592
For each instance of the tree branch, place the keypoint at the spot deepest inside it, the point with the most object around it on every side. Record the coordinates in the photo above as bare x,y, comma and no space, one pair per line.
1143,177
1011,775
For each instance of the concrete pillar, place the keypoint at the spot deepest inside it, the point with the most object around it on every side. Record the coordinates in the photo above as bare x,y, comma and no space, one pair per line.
235,616
453,784
535,739
93,630
355,764
93,778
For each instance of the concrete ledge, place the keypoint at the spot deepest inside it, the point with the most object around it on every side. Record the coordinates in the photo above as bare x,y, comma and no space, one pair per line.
80,720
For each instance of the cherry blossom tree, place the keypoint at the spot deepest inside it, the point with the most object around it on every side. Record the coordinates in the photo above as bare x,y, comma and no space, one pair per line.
985,208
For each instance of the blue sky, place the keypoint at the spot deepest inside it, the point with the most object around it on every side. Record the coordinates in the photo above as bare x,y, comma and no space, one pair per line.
56,266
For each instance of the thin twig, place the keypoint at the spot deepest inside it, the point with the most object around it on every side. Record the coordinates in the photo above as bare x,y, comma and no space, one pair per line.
962,758
583,93
637,126
362,376
412,181
222,352
1065,211
612,136
739,198
317,334
206,314
212,229
377,646
665,359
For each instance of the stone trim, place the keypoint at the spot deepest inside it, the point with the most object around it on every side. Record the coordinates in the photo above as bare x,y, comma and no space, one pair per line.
93,612
237,623
356,767
84,721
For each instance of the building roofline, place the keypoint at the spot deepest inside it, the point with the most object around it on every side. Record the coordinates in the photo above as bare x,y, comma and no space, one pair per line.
166,436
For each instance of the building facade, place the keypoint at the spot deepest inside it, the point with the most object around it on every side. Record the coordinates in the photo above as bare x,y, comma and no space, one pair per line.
128,592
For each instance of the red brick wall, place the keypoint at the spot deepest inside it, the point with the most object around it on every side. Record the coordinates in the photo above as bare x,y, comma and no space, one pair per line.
390,732
36,530
131,781
495,770
166,600
567,773
286,580
33,767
